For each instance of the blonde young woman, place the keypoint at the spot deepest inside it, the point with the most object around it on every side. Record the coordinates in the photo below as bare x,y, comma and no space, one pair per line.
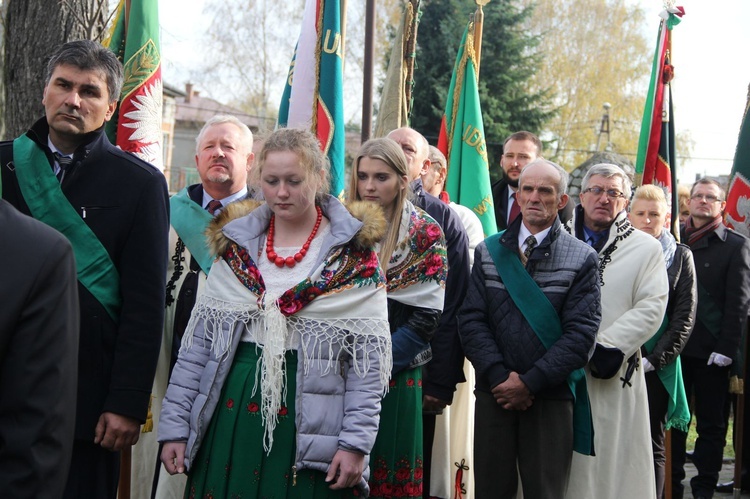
413,255
277,388
666,393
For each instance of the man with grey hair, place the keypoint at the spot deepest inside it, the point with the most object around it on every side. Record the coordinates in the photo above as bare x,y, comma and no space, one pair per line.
113,208
434,183
527,325
223,157
633,279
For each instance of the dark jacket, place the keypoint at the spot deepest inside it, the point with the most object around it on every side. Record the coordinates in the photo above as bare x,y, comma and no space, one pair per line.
680,309
722,265
500,200
445,369
38,357
497,338
124,201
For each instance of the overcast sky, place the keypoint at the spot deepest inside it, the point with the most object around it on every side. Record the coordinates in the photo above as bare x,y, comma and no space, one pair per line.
709,54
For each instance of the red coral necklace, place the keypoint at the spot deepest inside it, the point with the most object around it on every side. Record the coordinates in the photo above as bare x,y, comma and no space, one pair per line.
290,261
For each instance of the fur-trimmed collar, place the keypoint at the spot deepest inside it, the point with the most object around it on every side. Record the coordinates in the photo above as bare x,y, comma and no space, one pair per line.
370,214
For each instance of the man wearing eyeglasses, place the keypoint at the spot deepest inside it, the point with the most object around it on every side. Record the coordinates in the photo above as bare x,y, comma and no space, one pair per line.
722,263
634,289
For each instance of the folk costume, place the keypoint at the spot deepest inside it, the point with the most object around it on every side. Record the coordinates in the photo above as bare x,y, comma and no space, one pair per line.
275,376
188,268
416,278
113,208
634,288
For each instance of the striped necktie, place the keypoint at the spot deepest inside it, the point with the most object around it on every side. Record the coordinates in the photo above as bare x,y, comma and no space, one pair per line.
213,205
64,162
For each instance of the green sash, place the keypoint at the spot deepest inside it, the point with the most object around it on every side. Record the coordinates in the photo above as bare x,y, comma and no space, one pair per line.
48,204
678,413
543,319
190,221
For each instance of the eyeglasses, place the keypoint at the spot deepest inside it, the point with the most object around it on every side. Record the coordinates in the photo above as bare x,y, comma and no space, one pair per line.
611,193
710,198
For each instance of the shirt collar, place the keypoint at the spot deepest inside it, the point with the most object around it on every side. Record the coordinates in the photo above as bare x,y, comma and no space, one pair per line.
524,233
55,149
224,201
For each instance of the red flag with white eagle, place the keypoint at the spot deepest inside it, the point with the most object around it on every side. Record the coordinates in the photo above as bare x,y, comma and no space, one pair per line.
134,36
737,212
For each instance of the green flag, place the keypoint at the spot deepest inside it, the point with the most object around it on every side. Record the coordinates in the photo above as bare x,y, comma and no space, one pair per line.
462,139
134,37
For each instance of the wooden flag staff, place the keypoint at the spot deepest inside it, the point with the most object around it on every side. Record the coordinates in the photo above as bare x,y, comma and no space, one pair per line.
478,27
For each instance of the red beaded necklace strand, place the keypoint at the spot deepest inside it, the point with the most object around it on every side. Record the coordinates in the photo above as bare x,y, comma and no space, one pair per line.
290,261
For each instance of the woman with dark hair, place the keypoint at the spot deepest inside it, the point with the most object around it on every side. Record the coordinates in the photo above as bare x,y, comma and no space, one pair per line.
413,255
277,388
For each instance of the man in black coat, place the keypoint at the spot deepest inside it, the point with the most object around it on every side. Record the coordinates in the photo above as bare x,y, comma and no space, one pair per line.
38,357
722,264
520,149
113,208
445,369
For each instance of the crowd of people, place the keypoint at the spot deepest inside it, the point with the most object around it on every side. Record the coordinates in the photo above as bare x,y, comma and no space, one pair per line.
285,344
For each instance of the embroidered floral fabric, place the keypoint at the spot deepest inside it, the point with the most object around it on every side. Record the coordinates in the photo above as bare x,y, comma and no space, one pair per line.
332,312
419,265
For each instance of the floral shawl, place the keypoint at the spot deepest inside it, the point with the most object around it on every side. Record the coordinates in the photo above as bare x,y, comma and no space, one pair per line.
419,264
340,309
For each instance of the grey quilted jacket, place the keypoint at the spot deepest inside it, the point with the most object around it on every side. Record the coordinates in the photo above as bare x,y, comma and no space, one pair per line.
496,337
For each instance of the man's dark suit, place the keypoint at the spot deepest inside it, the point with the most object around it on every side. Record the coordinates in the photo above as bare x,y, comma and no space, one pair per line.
124,201
722,268
38,356
500,200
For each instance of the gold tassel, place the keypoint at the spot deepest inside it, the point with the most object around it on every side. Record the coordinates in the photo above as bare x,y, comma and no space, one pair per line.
736,385
148,426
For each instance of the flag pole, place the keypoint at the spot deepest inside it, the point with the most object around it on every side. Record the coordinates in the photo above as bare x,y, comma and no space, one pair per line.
368,70
126,455
478,27
342,9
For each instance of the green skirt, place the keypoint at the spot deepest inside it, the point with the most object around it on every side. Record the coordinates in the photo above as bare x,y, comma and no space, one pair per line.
396,460
231,462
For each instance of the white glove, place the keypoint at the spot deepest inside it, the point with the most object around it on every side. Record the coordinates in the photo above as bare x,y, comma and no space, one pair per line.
719,360
647,367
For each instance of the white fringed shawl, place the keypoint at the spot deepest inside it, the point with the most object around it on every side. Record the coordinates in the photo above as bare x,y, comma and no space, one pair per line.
340,310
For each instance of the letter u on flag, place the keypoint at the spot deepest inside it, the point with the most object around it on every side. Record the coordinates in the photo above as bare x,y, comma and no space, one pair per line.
462,139
313,95
134,37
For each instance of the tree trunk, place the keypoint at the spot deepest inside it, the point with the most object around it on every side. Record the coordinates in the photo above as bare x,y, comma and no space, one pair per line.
33,31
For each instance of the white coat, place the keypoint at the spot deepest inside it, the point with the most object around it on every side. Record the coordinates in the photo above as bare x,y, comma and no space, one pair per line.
635,289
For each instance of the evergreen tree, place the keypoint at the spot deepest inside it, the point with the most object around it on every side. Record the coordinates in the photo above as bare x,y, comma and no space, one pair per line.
509,60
